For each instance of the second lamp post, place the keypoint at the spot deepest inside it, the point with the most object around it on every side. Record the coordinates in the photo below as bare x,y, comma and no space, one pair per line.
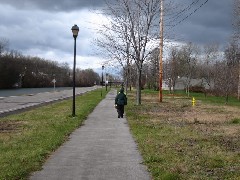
75,30
102,81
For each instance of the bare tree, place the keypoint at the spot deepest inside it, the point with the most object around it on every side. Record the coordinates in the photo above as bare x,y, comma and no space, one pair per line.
210,56
174,67
114,43
3,45
188,57
129,33
226,83
86,78
153,69
236,25
236,22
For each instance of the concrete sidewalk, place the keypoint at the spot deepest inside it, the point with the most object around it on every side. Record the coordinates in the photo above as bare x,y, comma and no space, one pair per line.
102,149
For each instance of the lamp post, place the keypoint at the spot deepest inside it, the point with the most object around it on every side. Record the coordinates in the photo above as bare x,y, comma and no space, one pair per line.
106,81
102,80
54,82
75,30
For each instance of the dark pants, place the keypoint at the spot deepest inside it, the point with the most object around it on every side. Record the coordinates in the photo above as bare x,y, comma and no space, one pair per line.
120,110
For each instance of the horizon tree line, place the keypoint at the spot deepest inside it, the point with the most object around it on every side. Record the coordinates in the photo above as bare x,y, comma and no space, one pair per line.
19,71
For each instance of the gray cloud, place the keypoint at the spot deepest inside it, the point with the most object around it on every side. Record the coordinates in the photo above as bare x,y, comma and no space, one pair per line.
43,27
54,5
211,23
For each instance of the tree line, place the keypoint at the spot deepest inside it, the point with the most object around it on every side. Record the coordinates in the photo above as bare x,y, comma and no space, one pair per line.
218,73
17,70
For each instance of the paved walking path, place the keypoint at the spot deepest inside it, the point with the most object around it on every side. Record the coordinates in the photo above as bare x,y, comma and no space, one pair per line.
102,149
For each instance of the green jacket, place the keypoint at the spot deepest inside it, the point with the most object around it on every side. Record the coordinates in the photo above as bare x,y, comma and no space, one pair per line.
121,99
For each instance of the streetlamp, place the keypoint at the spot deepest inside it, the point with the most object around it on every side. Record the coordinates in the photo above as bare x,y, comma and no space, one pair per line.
102,80
106,81
54,82
75,30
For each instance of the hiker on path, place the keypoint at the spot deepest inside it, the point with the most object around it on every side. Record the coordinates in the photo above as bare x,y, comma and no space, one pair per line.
120,102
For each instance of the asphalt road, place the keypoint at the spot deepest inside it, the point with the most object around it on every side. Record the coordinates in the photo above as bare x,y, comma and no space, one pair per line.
24,91
14,104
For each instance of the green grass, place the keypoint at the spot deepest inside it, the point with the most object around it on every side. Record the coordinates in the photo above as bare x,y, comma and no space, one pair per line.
235,121
176,150
198,96
31,136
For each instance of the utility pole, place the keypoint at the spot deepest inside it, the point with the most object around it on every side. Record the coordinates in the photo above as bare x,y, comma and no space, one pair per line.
127,52
161,52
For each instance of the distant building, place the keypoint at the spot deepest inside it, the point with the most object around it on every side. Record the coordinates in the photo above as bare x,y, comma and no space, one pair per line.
180,83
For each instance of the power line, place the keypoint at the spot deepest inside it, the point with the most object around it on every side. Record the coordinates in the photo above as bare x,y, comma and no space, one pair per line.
172,26
181,12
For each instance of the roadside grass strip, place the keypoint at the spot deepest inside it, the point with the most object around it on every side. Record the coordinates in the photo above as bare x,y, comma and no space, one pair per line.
27,139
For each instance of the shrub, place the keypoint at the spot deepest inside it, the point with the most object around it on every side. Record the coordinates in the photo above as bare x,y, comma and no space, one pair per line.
197,89
236,121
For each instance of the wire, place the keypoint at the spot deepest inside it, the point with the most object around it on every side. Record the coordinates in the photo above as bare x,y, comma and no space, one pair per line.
179,14
188,15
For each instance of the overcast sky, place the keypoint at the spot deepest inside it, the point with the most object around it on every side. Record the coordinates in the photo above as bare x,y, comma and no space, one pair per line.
43,27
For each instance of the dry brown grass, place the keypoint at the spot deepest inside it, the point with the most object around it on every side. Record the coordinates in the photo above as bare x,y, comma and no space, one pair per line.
181,141
206,117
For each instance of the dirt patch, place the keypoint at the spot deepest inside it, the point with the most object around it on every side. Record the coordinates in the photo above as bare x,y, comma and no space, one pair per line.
6,126
182,110
231,143
207,119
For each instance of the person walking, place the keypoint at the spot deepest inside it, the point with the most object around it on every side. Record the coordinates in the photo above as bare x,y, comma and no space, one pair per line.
120,102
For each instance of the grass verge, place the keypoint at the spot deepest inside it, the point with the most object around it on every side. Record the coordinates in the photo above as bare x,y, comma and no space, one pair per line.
178,141
27,139
218,100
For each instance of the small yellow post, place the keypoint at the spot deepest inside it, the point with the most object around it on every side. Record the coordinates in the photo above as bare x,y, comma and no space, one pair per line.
193,101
